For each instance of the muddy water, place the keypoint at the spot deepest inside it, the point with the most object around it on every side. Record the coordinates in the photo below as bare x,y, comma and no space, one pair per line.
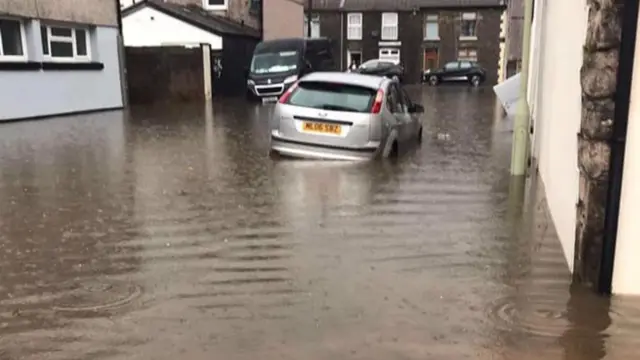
168,234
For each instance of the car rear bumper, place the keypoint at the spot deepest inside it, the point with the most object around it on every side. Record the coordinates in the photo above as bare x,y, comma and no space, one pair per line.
299,149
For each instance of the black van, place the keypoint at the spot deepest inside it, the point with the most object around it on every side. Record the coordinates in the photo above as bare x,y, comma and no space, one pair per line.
277,64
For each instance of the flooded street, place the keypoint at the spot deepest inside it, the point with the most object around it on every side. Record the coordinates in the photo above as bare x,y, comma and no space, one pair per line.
170,234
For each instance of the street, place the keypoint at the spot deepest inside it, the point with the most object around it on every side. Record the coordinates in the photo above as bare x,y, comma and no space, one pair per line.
168,233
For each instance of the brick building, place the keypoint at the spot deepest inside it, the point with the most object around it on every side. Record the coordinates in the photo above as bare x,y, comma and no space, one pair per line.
420,34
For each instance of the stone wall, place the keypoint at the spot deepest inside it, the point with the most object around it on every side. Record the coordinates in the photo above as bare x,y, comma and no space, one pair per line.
598,80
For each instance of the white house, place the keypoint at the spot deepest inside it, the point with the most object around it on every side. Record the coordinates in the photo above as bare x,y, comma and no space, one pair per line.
555,101
64,62
159,23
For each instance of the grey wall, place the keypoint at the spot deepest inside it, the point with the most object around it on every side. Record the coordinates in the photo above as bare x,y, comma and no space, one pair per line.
26,94
95,12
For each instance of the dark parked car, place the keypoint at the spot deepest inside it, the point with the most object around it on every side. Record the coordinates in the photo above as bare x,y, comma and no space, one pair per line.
456,71
384,68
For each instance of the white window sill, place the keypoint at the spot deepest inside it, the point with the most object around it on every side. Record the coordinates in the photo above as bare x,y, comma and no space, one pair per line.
8,58
432,39
354,38
67,60
468,38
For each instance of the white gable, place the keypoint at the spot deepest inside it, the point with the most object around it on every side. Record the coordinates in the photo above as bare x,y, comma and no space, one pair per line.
150,27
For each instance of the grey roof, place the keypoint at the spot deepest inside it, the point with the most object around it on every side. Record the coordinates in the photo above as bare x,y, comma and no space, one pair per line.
367,81
198,17
399,5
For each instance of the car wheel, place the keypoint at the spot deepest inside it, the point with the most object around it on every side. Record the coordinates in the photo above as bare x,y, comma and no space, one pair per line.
433,80
419,136
475,80
395,151
395,78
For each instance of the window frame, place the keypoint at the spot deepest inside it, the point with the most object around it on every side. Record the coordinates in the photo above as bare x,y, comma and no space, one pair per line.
391,22
357,26
432,19
207,6
468,51
391,53
469,16
65,39
23,41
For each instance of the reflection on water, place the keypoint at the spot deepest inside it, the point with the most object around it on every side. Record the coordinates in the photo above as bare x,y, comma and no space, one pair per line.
167,232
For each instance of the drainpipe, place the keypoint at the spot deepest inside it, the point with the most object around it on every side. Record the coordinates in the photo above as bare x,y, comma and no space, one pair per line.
261,20
309,6
122,58
342,60
617,143
520,145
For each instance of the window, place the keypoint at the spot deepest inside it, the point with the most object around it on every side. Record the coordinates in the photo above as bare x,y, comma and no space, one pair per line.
354,26
451,66
465,65
468,25
11,40
431,28
468,54
254,7
389,26
389,55
395,102
64,43
215,4
333,96
315,26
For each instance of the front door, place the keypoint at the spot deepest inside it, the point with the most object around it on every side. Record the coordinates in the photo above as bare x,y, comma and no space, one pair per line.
430,59
354,57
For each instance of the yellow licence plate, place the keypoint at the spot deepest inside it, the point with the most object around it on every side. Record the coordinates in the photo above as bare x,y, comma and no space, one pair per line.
322,128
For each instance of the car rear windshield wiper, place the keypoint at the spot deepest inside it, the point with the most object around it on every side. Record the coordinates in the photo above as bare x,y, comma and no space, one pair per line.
337,108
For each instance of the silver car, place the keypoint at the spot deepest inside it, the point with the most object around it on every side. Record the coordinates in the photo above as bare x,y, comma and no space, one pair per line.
344,116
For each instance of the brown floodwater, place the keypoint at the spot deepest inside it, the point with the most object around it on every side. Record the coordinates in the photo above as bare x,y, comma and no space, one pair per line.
168,233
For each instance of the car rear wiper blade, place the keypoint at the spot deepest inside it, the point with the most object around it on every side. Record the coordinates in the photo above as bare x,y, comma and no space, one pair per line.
337,108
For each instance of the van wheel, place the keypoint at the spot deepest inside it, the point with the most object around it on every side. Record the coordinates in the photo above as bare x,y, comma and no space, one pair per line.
250,96
274,155
433,80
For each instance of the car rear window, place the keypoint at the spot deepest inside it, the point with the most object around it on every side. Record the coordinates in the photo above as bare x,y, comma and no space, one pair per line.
332,96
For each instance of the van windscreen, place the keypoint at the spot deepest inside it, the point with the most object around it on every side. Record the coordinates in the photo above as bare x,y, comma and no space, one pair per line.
332,96
276,62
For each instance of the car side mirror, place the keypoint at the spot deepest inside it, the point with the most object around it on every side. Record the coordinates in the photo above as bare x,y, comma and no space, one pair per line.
416,108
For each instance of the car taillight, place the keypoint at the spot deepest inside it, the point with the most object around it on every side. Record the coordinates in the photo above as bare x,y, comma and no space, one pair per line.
283,99
377,103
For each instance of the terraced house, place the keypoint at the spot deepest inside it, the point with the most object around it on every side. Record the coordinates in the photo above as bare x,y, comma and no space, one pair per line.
58,58
420,34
